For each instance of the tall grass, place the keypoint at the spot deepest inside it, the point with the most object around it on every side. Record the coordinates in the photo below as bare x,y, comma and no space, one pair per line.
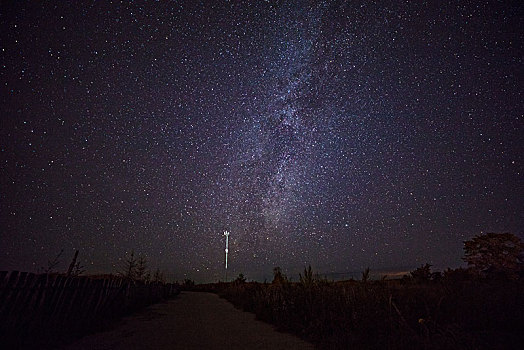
447,314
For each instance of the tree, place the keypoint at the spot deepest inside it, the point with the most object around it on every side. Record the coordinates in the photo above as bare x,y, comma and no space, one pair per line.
129,267
141,266
308,279
278,276
422,273
456,275
188,283
158,276
494,254
365,275
240,279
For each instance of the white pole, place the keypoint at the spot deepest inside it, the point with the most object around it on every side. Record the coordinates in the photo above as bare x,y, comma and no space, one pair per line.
226,233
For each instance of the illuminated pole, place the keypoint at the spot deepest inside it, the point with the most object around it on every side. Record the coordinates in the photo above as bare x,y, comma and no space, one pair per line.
226,233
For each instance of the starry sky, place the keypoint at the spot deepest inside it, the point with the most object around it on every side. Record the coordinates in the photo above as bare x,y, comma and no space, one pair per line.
341,134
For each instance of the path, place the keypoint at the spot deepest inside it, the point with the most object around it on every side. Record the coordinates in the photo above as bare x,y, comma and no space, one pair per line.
191,321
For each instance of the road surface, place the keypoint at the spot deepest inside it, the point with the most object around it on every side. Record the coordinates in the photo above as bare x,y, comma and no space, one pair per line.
191,321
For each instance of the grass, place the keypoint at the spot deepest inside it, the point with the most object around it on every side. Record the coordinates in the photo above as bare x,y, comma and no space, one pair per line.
390,314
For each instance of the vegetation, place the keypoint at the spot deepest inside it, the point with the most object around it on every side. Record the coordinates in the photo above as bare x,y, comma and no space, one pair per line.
495,254
278,276
388,314
75,269
140,272
240,279
159,276
129,266
423,274
136,269
48,310
456,309
53,263
308,280
188,284
365,275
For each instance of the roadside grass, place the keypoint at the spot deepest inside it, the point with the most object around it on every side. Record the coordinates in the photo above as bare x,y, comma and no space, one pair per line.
467,313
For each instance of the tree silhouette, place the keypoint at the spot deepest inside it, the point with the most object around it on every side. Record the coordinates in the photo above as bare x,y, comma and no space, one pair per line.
141,266
494,254
158,276
365,275
278,276
240,279
422,273
129,267
308,280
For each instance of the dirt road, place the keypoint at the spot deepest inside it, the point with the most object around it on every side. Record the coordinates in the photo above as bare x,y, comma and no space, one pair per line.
191,321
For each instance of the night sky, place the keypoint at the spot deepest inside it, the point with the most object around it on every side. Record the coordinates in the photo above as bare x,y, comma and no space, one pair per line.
337,134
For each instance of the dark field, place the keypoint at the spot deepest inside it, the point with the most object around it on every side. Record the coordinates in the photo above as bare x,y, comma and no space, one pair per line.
40,311
456,311
453,310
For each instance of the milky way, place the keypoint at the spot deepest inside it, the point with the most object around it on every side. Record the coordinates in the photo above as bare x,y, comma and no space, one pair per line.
337,134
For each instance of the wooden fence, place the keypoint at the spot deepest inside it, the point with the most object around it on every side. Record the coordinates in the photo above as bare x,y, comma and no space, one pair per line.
51,306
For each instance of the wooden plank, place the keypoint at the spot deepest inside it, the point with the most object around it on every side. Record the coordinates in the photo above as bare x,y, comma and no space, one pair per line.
11,303
116,300
87,305
30,289
59,290
88,314
51,292
3,279
34,305
101,295
69,297
54,303
17,313
77,301
61,303
40,288
7,291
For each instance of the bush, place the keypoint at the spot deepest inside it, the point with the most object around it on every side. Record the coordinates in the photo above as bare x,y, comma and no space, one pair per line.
451,314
